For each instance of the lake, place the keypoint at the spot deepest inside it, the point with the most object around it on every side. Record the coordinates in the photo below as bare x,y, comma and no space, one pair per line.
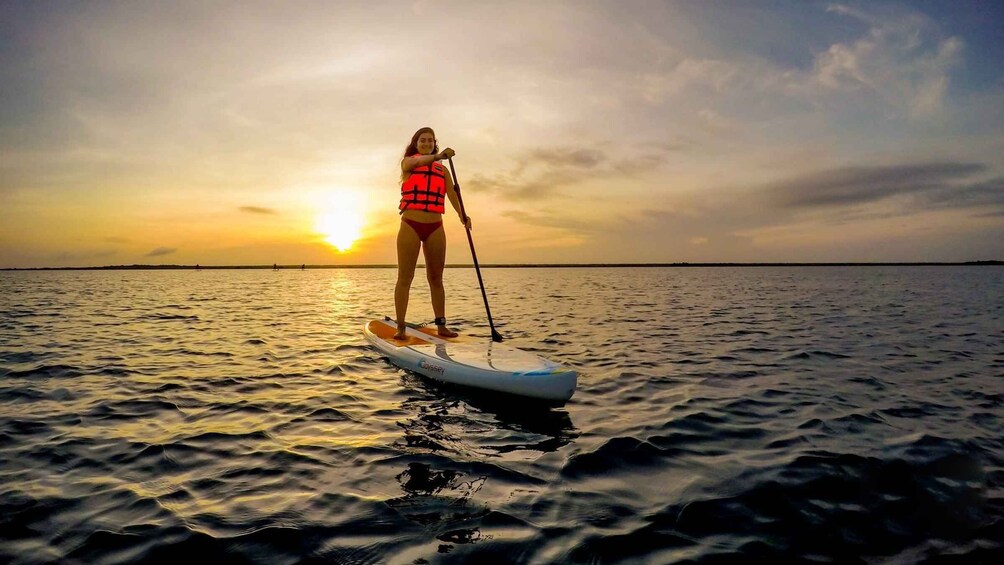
722,414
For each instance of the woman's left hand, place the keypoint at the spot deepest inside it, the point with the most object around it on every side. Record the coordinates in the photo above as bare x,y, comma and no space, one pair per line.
467,222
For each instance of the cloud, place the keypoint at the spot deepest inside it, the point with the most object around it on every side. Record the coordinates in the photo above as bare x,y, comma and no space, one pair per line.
902,58
573,158
258,210
687,74
852,197
554,221
70,257
160,251
825,208
861,185
723,219
543,172
989,193
898,65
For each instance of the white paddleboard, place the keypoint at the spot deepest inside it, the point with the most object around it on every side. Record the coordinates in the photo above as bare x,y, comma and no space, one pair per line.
478,363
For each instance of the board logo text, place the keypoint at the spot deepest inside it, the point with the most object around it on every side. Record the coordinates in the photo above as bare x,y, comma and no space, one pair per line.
430,367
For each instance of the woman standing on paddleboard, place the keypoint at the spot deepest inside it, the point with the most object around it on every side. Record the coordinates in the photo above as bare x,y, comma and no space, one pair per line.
425,186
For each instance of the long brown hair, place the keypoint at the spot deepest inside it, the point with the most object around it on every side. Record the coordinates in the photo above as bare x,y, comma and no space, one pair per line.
413,146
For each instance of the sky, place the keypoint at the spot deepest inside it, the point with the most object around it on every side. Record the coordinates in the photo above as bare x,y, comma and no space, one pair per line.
249,133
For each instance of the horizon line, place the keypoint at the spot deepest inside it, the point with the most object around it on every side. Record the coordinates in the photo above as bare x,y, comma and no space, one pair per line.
303,266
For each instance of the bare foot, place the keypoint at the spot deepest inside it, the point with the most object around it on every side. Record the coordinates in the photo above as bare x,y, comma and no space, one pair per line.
401,335
446,332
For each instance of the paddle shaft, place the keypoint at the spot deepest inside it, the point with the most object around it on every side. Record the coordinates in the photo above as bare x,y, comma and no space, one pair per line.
496,336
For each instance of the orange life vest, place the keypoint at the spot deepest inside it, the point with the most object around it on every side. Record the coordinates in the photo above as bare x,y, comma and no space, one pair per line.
424,189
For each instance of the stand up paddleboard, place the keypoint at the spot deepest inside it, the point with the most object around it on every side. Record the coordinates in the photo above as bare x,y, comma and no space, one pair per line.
476,363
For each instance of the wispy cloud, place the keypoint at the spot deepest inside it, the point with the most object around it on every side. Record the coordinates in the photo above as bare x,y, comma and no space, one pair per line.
903,59
987,194
554,221
71,257
900,66
728,222
161,251
860,185
543,172
258,210
571,158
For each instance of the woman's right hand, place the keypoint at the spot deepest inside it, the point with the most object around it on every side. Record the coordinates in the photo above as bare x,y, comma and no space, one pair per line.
446,153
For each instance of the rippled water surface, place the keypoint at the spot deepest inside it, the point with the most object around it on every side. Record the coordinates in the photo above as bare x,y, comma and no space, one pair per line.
812,414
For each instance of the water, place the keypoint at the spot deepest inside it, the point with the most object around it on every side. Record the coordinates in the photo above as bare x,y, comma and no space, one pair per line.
811,414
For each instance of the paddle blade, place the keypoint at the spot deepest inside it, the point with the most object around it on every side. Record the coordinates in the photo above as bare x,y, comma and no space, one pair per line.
496,336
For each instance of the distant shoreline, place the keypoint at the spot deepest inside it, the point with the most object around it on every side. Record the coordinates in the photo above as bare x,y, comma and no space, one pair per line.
500,266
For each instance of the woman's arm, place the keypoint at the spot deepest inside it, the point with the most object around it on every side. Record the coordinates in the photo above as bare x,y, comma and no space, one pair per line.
409,163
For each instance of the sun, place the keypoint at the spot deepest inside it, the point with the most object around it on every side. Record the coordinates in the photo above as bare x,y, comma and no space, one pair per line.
339,231
341,222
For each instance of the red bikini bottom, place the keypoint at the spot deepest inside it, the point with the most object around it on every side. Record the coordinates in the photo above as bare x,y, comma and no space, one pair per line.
423,229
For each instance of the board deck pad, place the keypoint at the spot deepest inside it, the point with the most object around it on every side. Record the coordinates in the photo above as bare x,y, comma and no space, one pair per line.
415,336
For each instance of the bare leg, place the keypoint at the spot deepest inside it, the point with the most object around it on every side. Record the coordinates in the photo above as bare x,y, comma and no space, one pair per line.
408,245
435,262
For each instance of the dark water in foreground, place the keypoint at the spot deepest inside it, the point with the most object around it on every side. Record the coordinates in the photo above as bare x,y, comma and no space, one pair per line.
722,414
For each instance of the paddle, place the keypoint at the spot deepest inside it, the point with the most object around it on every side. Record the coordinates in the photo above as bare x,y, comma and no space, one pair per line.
496,336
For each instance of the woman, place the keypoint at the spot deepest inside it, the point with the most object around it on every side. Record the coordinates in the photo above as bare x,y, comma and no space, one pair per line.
425,185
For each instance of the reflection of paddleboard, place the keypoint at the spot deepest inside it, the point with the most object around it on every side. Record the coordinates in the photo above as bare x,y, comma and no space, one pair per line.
465,361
